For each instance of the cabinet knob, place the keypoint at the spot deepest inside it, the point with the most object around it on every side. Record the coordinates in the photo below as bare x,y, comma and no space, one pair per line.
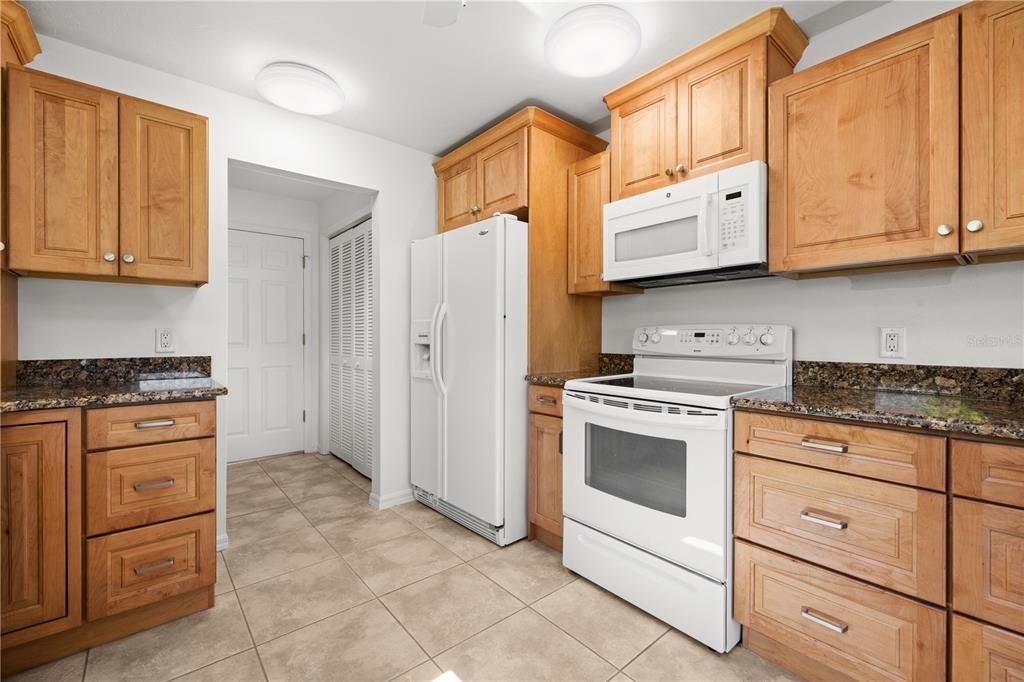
680,168
670,172
109,257
975,225
945,229
128,258
2,246
474,209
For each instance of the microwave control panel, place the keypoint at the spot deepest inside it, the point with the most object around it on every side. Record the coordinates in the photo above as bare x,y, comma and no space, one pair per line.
732,219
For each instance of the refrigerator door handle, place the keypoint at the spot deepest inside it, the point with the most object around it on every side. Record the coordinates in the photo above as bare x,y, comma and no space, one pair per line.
437,357
433,347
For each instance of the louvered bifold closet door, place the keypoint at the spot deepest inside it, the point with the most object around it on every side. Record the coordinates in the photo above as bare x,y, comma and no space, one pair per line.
351,348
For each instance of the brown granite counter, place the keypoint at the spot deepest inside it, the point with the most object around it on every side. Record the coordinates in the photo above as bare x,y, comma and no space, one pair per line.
557,379
607,364
951,413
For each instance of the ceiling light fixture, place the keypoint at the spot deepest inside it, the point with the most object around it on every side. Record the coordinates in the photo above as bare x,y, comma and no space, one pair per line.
300,88
593,40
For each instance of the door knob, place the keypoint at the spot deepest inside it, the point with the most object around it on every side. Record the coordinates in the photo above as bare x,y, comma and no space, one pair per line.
128,258
680,168
975,225
109,257
945,229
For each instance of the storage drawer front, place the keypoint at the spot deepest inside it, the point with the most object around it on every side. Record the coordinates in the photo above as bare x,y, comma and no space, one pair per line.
137,567
117,427
134,486
983,653
857,629
988,562
989,471
911,458
546,400
891,535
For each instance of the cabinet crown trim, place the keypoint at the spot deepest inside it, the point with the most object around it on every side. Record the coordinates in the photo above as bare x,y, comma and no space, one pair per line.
18,24
772,23
528,116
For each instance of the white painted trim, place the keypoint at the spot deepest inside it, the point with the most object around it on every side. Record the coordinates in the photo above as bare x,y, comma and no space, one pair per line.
392,499
222,542
310,322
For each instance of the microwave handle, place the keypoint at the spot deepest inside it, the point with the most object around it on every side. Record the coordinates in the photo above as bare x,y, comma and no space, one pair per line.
704,225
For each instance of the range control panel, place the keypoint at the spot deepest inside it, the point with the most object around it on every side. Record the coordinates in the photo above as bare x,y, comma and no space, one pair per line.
719,340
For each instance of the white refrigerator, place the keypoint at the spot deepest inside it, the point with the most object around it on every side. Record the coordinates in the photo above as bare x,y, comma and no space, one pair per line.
468,411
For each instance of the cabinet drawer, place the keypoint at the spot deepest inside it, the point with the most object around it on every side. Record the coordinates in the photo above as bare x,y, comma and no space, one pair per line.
854,628
137,567
988,562
116,427
989,471
982,652
135,486
546,400
891,535
911,458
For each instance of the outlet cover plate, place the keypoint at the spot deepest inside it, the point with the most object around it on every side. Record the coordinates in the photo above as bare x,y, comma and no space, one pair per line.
892,342
164,340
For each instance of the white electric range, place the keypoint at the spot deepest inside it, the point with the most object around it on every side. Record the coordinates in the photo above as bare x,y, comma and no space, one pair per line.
647,470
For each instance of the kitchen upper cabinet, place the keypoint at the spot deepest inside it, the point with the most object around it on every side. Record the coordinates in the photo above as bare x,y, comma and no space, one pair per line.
545,469
704,110
62,174
457,203
589,191
644,142
992,101
494,180
864,154
163,193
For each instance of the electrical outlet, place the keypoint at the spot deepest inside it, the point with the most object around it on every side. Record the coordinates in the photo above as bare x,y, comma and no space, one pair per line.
893,342
164,340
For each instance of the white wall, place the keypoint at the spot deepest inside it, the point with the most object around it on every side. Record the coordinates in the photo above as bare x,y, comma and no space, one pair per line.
81,319
260,209
972,315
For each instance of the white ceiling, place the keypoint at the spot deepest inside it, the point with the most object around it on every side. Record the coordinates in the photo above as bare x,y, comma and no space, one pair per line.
424,87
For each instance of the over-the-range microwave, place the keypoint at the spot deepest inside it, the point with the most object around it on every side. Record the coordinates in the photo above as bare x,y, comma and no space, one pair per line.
710,228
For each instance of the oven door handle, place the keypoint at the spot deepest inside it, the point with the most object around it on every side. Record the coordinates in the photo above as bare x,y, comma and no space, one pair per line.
711,421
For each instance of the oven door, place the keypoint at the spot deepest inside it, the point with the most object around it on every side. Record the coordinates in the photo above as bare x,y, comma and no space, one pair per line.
662,232
655,480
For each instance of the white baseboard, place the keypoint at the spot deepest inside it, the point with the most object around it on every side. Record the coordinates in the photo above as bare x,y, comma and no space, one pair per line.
222,542
391,499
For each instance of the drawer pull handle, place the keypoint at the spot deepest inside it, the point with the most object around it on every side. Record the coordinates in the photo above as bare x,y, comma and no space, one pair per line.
822,520
820,619
143,570
544,400
154,424
154,485
839,448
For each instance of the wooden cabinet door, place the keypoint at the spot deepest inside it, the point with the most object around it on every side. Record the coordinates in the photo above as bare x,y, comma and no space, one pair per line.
863,154
457,188
62,175
501,174
644,142
545,496
993,137
722,119
982,653
164,201
34,525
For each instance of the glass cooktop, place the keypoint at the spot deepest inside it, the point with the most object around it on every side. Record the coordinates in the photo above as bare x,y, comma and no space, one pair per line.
676,385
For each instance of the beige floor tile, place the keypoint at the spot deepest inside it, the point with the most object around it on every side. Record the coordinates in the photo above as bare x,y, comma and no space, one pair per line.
677,658
264,524
336,463
464,542
420,515
351,502
308,489
450,607
174,648
527,569
253,493
224,583
294,468
621,677
243,667
67,669
362,531
273,556
240,469
399,562
358,480
424,672
524,647
362,644
616,630
279,605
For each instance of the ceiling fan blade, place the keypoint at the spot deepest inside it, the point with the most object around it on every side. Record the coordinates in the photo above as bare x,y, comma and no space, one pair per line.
441,13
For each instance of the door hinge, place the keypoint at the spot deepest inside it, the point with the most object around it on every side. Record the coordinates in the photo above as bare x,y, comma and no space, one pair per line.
303,416
303,338
305,259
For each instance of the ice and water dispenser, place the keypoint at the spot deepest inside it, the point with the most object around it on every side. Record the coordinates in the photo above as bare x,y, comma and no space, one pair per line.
422,343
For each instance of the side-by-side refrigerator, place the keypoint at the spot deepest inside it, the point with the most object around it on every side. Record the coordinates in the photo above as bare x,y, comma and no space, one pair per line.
468,411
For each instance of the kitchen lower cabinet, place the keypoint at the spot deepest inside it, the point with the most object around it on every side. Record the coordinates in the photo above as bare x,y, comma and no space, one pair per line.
983,653
544,484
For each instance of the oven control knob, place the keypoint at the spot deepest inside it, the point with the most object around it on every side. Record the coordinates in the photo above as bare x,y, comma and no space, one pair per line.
733,338
767,339
749,339
642,337
656,337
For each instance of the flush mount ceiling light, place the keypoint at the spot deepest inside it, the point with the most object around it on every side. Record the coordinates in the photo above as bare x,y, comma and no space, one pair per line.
300,88
592,41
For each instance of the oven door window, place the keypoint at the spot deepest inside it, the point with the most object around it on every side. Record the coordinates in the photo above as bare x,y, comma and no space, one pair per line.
645,470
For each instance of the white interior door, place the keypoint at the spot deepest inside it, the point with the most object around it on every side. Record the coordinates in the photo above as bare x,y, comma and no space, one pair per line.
350,348
265,345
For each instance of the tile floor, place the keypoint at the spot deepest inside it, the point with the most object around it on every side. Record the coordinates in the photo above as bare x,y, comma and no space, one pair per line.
317,585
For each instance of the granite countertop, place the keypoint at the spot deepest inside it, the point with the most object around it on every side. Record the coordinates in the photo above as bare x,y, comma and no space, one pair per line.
557,379
952,413
607,364
46,397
